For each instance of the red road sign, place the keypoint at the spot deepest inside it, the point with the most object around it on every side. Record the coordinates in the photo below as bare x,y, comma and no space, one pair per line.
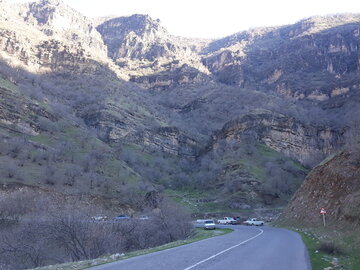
323,211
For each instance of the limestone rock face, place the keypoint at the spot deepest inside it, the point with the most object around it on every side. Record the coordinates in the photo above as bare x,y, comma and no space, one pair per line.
152,57
54,17
20,114
49,36
305,143
175,76
131,128
136,37
310,59
170,140
117,125
333,185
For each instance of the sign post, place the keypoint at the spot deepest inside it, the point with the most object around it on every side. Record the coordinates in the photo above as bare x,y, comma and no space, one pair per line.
323,212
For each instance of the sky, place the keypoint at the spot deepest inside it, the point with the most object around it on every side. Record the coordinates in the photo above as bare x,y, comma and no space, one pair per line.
215,18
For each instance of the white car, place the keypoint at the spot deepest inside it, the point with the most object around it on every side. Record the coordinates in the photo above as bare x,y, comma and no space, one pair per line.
254,222
227,220
209,225
99,218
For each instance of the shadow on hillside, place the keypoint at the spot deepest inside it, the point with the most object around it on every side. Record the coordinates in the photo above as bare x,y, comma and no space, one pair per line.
85,88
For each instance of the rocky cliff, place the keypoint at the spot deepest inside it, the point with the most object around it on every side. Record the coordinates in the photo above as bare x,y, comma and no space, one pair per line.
53,17
169,140
118,125
20,114
48,36
145,50
303,142
333,185
317,58
138,37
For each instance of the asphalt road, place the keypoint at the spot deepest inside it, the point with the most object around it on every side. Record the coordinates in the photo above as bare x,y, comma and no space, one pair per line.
247,248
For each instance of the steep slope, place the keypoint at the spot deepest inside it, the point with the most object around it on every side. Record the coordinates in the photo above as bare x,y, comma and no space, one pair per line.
54,72
206,98
316,58
54,18
20,113
67,45
49,36
333,185
149,54
305,143
136,37
45,147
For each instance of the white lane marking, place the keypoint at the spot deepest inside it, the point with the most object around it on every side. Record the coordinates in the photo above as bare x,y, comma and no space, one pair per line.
225,250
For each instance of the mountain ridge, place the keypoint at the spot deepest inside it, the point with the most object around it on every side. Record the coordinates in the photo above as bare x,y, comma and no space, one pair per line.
157,99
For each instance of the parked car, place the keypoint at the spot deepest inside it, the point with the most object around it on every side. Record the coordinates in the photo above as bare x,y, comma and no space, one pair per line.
209,225
227,220
143,217
237,221
254,222
122,217
99,218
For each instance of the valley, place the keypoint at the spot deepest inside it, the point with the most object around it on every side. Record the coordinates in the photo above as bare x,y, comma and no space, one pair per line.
117,116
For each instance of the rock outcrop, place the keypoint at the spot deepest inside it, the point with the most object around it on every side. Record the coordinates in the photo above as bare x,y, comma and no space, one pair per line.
138,37
169,79
311,59
306,143
48,36
55,18
21,115
169,140
333,185
118,125
154,59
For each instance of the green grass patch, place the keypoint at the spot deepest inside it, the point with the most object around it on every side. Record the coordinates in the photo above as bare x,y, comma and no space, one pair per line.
42,138
317,258
185,198
329,247
257,171
71,132
266,151
138,152
199,234
199,202
118,169
8,85
351,245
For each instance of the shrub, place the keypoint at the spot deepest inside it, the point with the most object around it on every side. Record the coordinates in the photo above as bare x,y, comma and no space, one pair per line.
331,248
42,232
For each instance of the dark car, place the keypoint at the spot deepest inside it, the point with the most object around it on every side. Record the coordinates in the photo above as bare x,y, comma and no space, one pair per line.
122,217
237,221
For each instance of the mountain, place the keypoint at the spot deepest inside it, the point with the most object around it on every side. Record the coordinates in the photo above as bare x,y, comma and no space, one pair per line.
149,54
53,17
315,58
238,121
138,37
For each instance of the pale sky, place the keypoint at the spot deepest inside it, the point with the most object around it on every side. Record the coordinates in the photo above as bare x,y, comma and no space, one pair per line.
215,18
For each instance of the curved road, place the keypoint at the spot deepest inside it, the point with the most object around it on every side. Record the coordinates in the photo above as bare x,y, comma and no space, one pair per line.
247,248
